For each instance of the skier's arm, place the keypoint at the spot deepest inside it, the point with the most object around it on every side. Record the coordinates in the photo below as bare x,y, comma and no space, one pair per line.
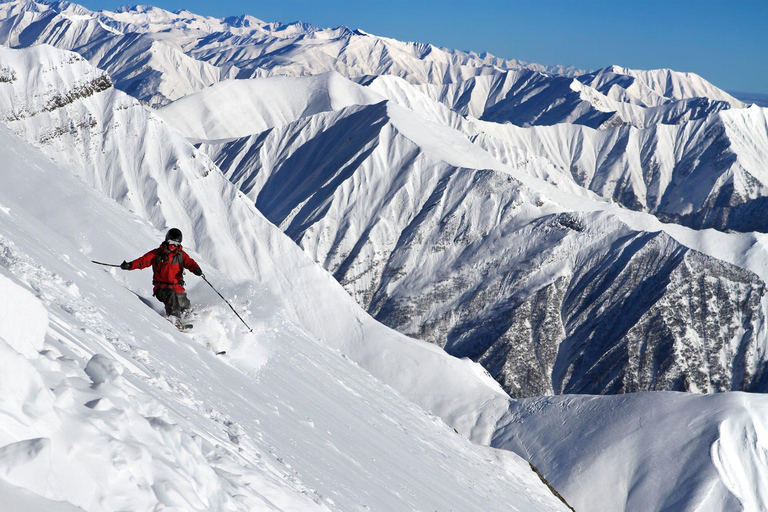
142,262
191,264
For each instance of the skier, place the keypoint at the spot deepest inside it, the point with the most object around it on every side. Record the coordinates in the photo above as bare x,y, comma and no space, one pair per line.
168,263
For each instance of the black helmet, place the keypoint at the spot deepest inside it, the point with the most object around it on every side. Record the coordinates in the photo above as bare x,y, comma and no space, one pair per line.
173,234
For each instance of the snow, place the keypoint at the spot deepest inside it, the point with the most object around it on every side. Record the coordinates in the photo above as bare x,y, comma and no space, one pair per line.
741,453
323,408
21,310
647,451
17,499
667,83
237,108
297,426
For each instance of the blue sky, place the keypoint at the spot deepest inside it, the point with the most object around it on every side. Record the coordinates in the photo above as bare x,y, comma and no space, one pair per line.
724,41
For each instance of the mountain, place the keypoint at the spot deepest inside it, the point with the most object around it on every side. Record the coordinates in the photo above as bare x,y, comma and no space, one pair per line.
144,66
702,173
106,406
439,240
600,100
654,87
158,56
297,426
705,173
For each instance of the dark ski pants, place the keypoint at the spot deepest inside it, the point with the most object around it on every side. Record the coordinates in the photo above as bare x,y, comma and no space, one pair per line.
176,304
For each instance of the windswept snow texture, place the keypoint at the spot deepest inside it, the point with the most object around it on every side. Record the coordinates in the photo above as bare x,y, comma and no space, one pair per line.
106,406
621,446
440,241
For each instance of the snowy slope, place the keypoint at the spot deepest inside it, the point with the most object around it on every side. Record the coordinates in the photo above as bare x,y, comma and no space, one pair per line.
238,108
119,410
654,87
132,156
439,240
647,451
703,173
296,427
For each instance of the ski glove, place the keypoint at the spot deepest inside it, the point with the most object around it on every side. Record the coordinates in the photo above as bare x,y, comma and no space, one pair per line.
125,265
198,271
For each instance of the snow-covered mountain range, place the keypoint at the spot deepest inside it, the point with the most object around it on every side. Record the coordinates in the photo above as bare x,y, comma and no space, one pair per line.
158,56
574,232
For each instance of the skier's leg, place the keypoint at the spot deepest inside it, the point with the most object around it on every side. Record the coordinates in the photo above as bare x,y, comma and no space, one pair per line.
168,298
184,303
173,304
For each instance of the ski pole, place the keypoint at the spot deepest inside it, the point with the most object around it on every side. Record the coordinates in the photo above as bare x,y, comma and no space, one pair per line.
105,264
225,300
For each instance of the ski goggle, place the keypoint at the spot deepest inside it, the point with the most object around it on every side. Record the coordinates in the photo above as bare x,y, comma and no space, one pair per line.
173,242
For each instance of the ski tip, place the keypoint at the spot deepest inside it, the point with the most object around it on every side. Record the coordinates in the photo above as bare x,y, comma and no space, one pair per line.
221,352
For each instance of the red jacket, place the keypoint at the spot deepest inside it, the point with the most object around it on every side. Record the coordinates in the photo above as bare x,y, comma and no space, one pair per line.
168,264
